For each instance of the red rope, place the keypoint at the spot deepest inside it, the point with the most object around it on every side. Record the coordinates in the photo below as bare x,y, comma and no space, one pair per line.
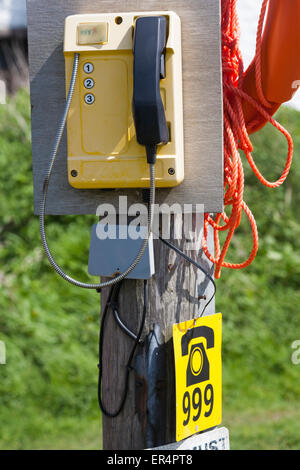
236,138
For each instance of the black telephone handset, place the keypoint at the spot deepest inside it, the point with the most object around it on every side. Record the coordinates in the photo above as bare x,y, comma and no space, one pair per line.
150,37
197,370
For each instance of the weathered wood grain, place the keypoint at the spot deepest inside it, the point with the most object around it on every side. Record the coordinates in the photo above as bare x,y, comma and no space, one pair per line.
175,294
203,128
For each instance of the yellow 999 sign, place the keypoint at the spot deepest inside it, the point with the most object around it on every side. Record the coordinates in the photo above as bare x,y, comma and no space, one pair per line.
198,366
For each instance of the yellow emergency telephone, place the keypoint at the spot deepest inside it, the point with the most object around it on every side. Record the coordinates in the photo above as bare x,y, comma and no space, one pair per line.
103,148
123,111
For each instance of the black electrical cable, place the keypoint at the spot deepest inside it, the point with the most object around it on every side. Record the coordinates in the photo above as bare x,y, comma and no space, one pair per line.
123,327
197,265
111,304
146,195
132,335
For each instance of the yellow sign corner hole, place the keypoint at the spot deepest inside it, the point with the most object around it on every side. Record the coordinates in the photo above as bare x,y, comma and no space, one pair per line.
198,369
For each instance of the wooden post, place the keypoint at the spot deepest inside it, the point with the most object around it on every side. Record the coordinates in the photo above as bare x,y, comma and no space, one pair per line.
177,292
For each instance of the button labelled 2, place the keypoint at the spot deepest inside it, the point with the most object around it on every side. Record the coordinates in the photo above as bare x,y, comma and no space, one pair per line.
89,83
89,98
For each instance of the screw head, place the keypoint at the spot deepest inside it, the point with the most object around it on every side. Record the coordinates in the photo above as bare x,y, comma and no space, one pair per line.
171,171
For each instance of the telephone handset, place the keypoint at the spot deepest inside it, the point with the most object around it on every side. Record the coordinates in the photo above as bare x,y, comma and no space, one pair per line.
198,364
150,37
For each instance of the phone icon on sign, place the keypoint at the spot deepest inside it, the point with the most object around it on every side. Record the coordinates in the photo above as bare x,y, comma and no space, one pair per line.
198,365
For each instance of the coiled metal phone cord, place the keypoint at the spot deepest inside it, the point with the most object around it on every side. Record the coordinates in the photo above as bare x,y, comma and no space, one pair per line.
58,138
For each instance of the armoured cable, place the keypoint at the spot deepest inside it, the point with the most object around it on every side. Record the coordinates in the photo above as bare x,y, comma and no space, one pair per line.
53,263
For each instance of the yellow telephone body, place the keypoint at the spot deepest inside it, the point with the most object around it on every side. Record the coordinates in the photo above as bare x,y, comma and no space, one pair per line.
102,148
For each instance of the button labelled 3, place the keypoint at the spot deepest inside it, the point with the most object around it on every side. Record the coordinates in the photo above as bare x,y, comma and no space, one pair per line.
89,98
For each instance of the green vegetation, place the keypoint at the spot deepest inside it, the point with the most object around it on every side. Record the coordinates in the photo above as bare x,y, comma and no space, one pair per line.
48,386
261,305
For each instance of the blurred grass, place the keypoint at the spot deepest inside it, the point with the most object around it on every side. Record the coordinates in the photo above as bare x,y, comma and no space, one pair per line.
50,328
48,388
261,304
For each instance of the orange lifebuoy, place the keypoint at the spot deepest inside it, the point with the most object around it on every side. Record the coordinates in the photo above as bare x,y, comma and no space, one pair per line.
280,62
249,101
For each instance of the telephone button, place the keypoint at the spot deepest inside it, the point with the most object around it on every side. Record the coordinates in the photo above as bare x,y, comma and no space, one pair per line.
88,67
89,98
89,83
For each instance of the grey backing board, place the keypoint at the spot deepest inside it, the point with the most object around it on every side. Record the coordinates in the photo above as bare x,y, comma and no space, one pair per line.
202,93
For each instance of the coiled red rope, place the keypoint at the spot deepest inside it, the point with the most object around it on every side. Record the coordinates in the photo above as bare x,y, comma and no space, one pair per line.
236,138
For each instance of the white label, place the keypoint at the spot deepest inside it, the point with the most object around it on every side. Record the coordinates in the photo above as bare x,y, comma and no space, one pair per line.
92,33
217,439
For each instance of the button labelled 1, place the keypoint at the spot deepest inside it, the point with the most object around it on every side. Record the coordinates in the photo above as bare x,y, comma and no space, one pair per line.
89,98
88,67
